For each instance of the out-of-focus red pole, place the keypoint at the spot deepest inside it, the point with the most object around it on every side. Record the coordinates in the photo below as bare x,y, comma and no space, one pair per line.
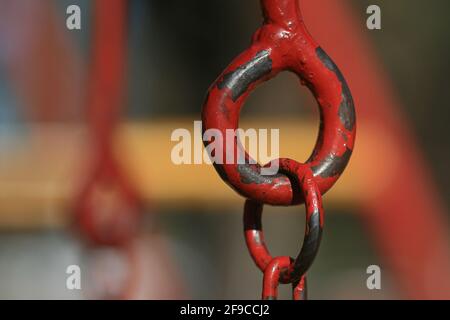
406,216
107,69
108,209
111,222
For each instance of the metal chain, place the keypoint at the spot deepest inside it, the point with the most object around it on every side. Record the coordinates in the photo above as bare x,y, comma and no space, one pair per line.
284,44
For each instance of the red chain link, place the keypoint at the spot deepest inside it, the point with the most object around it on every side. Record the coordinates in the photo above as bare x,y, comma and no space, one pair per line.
273,276
284,44
282,269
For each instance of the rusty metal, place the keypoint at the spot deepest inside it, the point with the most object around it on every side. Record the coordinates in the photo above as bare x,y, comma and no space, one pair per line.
284,44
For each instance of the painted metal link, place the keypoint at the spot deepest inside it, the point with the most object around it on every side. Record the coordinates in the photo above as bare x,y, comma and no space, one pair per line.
284,44
285,269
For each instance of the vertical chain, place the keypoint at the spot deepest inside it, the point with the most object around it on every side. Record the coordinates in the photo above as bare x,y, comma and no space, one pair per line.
283,43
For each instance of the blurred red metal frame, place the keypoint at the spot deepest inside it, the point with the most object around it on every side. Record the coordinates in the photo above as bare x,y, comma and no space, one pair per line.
407,218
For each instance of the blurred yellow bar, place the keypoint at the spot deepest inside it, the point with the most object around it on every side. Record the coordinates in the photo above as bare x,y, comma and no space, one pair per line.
43,167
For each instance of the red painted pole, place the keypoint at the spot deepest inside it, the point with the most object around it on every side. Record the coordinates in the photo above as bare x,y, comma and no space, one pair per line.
109,208
406,216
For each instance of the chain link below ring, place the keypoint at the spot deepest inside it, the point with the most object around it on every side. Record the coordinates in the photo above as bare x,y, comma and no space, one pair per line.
301,176
272,279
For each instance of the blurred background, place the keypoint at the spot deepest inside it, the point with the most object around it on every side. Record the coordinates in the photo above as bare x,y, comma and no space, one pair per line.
389,209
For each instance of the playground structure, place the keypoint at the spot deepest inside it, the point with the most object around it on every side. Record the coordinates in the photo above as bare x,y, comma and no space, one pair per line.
387,180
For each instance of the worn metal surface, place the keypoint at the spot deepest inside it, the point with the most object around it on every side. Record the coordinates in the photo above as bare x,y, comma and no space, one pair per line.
284,44
273,276
295,271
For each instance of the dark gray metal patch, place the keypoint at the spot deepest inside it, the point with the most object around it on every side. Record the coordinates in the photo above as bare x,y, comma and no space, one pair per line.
239,80
332,165
251,173
346,108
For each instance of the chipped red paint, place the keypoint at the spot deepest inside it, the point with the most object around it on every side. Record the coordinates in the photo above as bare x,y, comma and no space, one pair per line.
283,44
295,271
107,209
300,290
272,277
254,235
